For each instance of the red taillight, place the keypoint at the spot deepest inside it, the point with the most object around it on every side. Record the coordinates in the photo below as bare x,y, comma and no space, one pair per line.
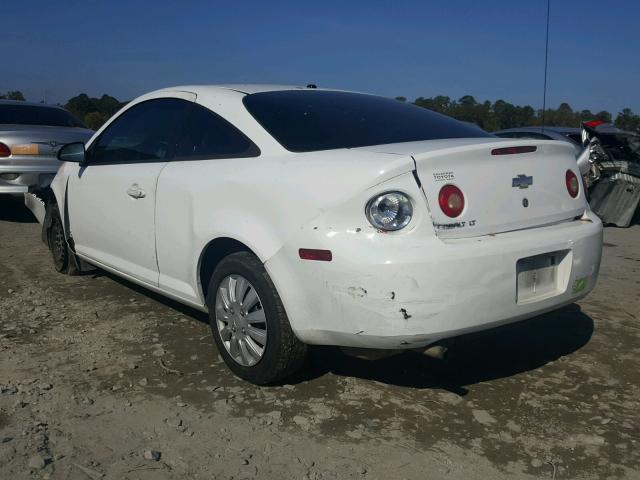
314,254
573,184
451,200
4,150
514,150
593,123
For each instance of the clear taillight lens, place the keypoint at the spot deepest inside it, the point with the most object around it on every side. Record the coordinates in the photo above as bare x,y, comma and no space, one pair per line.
389,211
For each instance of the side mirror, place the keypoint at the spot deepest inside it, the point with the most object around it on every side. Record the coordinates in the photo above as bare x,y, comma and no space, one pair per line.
72,152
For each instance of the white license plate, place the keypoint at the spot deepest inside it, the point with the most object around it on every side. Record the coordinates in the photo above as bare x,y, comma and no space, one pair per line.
537,276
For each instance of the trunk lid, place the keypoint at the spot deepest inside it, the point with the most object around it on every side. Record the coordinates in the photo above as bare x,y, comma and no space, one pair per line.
40,141
502,192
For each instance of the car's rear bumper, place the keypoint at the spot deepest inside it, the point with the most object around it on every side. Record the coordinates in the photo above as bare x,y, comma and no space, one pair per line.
411,294
31,173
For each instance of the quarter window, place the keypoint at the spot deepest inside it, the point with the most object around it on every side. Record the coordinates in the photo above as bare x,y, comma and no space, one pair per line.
145,132
206,135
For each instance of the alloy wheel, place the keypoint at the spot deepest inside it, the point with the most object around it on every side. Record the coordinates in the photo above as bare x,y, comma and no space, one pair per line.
241,320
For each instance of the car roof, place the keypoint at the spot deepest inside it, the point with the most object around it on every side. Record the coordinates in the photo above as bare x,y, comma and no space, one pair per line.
563,130
28,104
244,88
249,88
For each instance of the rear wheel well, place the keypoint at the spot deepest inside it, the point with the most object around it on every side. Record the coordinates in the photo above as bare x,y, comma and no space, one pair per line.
214,252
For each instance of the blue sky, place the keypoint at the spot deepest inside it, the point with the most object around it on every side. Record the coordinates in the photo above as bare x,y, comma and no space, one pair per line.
489,49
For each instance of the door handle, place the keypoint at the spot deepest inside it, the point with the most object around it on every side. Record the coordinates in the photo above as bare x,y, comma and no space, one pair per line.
134,191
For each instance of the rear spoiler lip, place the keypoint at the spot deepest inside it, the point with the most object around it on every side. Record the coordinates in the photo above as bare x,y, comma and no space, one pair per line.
434,148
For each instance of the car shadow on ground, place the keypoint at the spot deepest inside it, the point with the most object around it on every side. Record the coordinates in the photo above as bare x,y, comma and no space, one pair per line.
497,353
13,209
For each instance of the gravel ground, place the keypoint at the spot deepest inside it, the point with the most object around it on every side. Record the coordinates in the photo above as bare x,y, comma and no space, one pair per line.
102,379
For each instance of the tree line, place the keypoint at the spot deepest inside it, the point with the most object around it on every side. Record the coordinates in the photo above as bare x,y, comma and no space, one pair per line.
501,114
92,111
487,115
12,95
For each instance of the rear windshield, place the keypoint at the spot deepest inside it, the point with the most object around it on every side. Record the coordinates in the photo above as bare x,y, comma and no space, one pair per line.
309,120
36,115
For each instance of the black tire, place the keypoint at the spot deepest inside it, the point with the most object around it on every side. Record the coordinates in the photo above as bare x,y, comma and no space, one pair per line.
63,260
284,354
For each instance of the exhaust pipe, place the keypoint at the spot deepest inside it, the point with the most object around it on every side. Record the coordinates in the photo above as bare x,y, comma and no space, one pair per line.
369,353
438,352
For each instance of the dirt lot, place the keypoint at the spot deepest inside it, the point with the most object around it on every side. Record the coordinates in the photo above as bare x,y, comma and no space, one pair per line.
95,372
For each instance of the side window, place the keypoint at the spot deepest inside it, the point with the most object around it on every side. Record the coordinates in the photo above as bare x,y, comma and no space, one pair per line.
207,135
145,132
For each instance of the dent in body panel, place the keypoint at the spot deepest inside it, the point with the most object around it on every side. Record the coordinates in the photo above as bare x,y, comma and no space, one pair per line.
405,308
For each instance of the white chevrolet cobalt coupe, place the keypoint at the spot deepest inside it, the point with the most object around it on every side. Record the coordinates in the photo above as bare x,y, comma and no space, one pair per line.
298,216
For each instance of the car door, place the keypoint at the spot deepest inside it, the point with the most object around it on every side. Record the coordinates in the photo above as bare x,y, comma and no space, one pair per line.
208,152
111,200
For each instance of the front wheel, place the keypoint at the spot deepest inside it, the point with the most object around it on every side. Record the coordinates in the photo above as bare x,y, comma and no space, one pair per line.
249,324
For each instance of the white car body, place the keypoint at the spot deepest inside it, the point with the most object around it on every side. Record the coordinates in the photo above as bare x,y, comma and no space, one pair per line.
434,279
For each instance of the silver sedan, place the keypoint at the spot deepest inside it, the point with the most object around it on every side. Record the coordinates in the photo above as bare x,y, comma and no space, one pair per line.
30,136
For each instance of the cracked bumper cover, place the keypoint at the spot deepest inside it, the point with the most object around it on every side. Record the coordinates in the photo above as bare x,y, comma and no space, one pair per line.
390,293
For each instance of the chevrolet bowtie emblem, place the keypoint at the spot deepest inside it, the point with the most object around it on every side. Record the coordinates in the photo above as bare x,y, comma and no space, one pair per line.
521,181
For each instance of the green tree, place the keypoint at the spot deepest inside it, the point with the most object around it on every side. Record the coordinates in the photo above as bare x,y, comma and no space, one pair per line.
526,116
94,120
627,120
108,105
603,116
562,117
506,115
80,105
586,115
438,104
13,95
94,111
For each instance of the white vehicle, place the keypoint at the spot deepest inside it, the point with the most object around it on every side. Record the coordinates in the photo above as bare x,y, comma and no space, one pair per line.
299,216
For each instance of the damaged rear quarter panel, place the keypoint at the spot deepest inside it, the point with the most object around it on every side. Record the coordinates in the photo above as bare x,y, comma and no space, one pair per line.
265,202
351,285
409,288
